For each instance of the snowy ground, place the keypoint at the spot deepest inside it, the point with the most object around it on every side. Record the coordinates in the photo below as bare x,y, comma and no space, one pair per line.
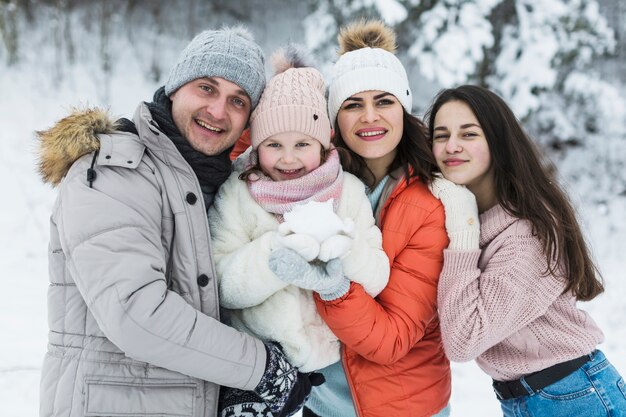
32,101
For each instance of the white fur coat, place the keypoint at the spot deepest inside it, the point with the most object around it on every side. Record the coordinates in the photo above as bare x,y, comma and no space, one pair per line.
265,306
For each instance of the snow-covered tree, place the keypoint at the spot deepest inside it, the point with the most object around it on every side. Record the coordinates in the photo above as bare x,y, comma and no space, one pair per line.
539,55
545,57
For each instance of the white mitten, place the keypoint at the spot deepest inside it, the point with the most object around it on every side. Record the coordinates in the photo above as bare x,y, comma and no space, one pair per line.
336,246
462,223
349,228
306,246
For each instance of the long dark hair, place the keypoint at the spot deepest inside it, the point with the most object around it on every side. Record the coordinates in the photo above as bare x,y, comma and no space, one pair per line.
526,189
413,156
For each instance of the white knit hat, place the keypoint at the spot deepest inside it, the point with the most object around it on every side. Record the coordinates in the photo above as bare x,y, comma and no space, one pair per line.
293,100
367,64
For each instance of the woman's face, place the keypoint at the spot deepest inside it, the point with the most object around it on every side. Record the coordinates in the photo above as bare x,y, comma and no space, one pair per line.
461,149
371,125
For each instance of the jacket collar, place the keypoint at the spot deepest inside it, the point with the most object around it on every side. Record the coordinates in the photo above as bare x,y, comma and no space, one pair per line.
394,186
155,140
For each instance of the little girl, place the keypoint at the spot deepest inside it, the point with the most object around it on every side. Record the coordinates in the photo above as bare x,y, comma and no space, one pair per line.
292,194
508,290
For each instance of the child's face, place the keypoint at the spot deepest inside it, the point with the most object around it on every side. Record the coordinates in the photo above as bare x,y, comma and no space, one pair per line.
289,155
460,147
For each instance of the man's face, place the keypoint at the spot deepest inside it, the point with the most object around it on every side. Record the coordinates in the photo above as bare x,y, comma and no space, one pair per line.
211,113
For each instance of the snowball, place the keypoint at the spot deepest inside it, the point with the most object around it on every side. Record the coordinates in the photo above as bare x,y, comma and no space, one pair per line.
315,219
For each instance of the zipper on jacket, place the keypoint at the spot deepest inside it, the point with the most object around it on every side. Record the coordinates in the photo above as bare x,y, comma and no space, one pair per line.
355,400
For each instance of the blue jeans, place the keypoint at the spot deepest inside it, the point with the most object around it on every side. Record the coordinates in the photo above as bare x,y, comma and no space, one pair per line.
596,389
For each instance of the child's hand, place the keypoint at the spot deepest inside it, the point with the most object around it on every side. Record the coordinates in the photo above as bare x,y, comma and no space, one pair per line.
349,228
326,279
339,245
306,246
335,247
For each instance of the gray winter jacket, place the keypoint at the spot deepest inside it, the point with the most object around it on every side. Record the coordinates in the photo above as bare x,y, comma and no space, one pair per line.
132,303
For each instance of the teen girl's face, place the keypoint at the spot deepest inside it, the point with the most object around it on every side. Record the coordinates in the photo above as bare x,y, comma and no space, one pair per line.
289,155
371,125
460,148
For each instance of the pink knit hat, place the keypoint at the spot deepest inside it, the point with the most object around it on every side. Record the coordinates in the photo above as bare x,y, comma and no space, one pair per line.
293,101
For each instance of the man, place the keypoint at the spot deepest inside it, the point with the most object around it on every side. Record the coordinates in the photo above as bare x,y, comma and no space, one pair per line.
133,304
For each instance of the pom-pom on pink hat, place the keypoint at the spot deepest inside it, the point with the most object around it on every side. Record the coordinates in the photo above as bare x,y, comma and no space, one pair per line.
293,100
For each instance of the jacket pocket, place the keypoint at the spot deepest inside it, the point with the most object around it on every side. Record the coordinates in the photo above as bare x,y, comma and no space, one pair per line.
145,397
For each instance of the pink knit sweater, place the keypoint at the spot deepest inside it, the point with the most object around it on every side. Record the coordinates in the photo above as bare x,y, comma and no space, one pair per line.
497,305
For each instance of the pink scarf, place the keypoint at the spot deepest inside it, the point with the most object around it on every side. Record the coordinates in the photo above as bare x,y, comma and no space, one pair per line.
278,197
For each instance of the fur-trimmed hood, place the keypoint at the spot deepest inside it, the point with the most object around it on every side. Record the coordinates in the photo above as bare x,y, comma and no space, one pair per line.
69,139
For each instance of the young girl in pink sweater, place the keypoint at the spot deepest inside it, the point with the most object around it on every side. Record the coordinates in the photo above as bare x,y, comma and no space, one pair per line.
515,267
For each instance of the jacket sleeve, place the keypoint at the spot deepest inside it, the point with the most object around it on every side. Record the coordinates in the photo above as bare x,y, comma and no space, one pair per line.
479,309
366,263
241,233
111,237
384,329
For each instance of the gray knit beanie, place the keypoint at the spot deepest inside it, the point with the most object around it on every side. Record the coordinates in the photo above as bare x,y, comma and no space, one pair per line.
229,53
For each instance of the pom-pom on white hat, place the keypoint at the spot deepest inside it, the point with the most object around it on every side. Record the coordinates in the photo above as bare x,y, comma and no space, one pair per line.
367,63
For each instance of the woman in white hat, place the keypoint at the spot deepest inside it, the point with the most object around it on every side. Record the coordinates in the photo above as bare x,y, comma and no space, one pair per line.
392,359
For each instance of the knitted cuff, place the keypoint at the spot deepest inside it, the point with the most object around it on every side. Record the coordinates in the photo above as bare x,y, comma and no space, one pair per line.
465,240
235,402
338,292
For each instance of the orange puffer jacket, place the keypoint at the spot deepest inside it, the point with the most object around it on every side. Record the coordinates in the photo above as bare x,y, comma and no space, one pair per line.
392,354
